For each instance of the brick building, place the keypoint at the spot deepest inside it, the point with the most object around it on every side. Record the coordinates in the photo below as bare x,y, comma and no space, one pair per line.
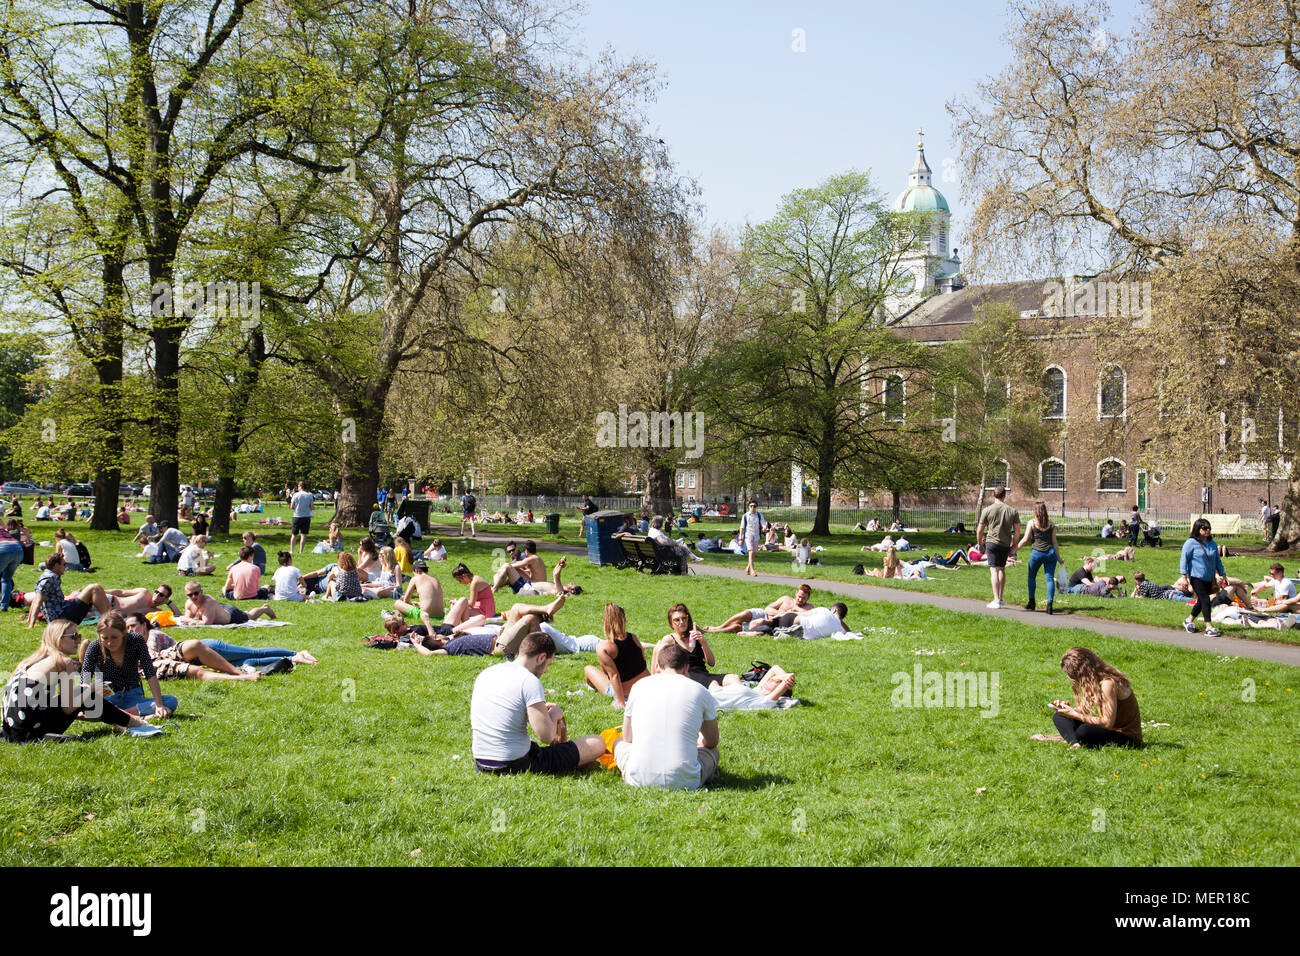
1098,402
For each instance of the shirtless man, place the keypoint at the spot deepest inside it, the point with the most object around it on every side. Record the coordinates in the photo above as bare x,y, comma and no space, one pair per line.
142,600
429,590
786,604
522,572
508,575
202,608
748,622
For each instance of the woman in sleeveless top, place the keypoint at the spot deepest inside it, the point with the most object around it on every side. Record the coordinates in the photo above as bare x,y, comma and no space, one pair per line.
622,659
1045,554
1106,709
474,609
692,640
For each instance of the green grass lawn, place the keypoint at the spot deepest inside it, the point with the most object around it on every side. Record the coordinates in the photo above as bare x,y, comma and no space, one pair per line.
365,759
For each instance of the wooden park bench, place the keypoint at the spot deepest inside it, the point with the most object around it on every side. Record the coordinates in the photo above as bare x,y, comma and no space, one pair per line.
644,554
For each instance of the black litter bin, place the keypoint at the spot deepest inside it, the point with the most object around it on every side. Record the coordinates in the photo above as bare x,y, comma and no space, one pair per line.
600,527
417,509
552,523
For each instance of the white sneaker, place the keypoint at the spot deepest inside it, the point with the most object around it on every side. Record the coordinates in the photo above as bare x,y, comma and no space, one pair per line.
994,605
1189,626
1213,632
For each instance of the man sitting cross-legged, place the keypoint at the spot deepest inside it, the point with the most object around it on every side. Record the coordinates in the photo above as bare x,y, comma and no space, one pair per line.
202,608
670,728
429,591
507,700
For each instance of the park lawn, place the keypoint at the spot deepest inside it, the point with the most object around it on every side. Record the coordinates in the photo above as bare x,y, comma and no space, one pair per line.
843,551
365,759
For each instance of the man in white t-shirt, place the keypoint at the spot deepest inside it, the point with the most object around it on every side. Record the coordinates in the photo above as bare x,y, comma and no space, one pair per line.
1284,590
817,622
508,699
670,728
304,506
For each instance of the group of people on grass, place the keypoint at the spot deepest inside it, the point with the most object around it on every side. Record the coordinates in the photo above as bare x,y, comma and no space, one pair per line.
669,736
1202,580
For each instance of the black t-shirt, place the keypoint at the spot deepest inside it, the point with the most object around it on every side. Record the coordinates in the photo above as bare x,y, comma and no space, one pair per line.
589,507
1079,576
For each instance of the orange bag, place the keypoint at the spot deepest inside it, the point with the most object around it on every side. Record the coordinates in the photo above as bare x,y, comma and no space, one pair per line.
611,737
163,618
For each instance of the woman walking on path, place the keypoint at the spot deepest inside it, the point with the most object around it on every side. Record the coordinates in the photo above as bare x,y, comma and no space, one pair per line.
1200,562
751,532
1045,553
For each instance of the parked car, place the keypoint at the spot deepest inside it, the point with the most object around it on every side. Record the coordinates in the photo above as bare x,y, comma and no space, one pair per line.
80,491
22,488
130,489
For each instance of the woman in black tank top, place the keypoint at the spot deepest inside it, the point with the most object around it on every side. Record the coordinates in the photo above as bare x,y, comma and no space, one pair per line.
686,634
621,657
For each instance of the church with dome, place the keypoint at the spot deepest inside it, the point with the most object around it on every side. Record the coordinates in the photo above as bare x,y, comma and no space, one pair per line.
931,267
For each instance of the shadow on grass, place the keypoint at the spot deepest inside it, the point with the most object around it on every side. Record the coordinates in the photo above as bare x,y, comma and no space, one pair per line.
759,781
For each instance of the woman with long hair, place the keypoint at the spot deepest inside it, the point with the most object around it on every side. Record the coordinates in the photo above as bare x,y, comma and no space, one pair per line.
892,568
121,657
1201,563
344,583
622,659
1045,553
388,583
1105,710
46,694
692,640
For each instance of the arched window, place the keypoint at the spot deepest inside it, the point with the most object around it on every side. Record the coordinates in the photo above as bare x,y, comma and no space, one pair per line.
1051,475
1054,392
895,399
999,474
1112,387
1110,475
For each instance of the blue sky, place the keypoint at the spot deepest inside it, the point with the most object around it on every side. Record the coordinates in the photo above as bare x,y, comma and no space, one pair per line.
751,119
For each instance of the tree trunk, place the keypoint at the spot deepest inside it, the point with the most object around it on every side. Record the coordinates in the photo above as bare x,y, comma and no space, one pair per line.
108,477
231,437
825,482
165,424
359,469
108,371
1288,526
659,488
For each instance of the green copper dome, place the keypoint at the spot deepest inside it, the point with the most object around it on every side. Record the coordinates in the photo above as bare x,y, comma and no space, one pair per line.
920,199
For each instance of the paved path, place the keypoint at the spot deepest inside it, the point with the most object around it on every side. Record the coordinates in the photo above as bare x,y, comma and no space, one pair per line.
1234,646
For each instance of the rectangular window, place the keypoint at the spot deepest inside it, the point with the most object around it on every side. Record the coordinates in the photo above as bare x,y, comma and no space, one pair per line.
690,480
681,479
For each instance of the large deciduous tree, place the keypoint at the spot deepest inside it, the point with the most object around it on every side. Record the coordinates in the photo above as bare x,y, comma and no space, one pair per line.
804,378
1170,152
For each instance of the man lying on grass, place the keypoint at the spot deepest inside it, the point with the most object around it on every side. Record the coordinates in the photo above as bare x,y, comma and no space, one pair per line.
507,700
481,640
758,620
521,584
203,610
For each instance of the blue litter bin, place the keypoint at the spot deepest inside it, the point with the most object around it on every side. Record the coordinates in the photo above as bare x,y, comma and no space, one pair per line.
600,527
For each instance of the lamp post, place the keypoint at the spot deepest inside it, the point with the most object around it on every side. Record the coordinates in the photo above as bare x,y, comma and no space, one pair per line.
1065,468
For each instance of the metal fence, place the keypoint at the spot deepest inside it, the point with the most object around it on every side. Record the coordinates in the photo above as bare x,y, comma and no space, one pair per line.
540,504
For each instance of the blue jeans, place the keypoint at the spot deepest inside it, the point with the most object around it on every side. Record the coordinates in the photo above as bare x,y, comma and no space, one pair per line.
11,555
1047,561
256,656
136,698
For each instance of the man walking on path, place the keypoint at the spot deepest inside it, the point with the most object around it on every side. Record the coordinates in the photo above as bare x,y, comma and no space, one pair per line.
999,525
